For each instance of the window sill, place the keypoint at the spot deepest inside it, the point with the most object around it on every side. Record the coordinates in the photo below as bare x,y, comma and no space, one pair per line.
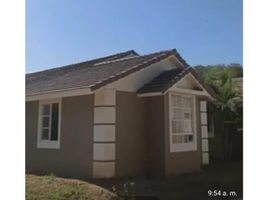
48,145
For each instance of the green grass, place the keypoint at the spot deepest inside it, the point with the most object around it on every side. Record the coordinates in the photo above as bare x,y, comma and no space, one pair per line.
53,188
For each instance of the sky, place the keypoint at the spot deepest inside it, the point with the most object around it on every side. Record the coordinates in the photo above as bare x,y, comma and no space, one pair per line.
61,32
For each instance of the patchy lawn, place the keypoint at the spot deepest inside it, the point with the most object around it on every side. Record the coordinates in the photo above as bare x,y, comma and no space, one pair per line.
53,188
217,178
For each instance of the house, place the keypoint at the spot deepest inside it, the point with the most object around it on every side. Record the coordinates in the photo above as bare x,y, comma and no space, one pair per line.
117,116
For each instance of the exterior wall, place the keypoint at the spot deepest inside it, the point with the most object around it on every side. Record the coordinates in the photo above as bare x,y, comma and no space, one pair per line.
74,158
155,129
130,135
181,162
142,138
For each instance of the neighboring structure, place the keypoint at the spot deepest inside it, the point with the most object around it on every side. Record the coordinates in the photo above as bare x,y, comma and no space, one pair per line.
116,116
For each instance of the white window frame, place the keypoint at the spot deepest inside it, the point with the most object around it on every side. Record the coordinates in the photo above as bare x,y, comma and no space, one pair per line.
48,144
180,147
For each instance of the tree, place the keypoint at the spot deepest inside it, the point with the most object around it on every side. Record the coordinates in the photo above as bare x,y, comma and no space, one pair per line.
228,102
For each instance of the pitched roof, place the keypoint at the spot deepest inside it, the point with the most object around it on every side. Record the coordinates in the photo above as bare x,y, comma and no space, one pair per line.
167,79
164,80
94,73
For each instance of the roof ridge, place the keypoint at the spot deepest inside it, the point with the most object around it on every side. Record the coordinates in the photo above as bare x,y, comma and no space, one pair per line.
86,61
128,58
116,60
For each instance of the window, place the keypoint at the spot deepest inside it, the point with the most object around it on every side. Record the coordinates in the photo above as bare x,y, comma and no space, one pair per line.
49,124
182,123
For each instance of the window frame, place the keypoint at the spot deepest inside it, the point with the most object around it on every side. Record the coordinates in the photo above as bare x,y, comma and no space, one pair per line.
180,147
48,144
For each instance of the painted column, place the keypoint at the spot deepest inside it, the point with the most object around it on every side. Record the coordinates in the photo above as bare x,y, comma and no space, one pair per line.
204,132
104,134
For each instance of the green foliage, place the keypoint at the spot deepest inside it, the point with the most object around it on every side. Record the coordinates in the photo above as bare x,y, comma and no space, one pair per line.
220,79
67,192
214,72
228,100
227,97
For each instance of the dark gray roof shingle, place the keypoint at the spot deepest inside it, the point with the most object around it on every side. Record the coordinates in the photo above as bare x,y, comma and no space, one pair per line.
164,81
93,73
167,79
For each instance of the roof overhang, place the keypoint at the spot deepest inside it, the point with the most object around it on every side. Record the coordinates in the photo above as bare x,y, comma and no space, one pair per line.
59,94
202,92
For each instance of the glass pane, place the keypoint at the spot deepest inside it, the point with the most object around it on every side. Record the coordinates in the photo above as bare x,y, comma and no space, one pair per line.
177,127
54,121
46,109
188,127
182,139
187,102
45,122
187,114
190,138
177,139
178,100
174,139
174,127
45,133
177,113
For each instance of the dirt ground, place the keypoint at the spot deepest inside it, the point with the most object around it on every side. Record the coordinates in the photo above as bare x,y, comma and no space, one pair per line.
219,180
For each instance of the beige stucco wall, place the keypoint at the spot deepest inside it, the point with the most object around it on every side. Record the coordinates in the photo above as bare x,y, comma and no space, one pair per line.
74,158
142,139
130,135
155,129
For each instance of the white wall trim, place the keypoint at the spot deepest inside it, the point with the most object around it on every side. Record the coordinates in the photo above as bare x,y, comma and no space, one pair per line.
204,131
150,94
105,97
203,106
188,91
204,144
104,151
205,158
203,118
104,146
104,133
103,169
104,115
59,94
